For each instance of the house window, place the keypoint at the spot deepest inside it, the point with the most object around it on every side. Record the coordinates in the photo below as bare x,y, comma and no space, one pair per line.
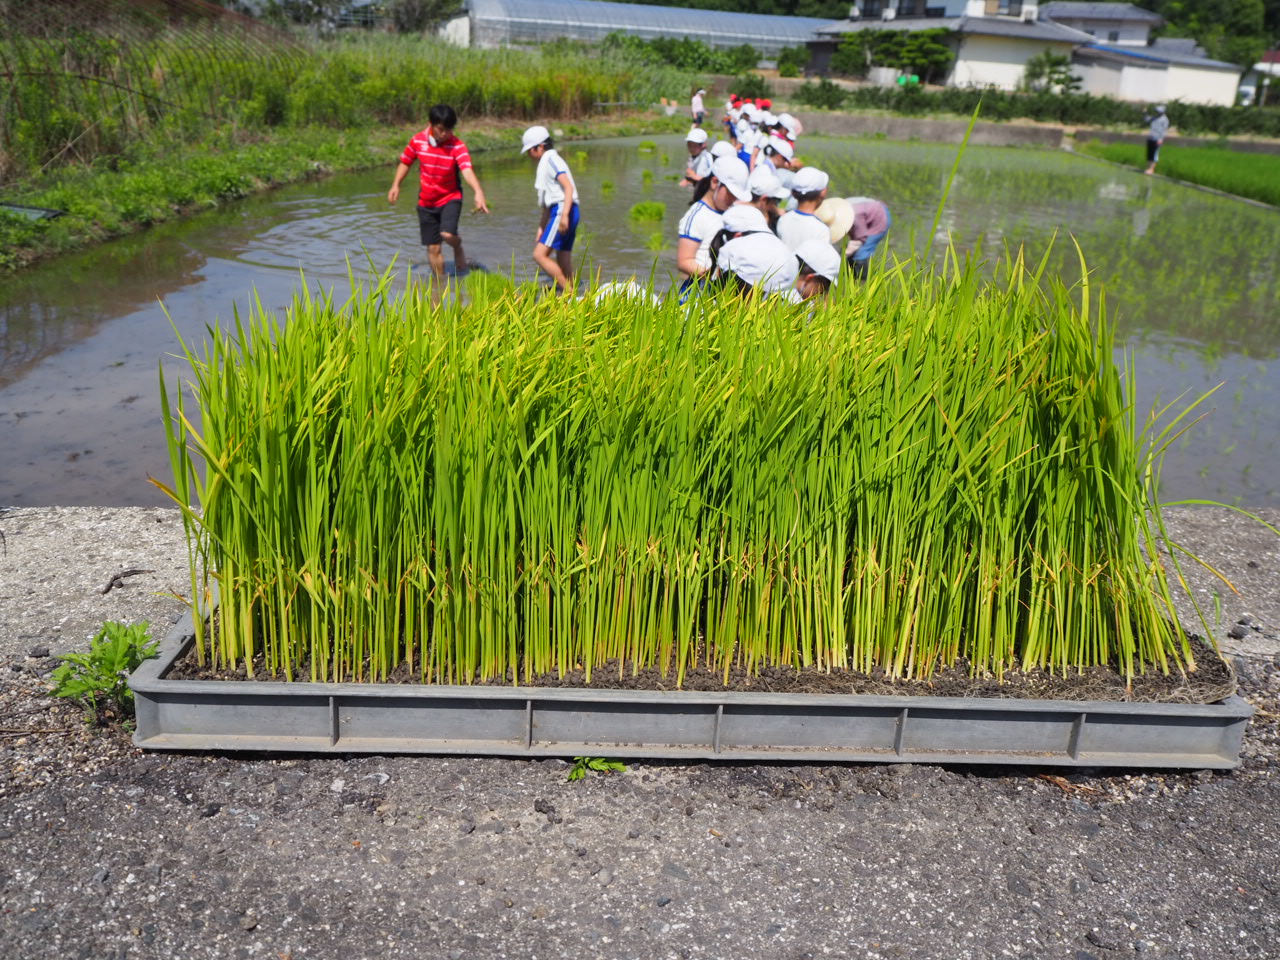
910,8
871,8
1004,8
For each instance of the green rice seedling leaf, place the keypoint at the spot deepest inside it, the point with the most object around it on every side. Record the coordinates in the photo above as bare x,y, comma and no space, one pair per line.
648,211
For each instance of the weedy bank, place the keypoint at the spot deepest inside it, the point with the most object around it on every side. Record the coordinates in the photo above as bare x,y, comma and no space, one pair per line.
933,469
123,120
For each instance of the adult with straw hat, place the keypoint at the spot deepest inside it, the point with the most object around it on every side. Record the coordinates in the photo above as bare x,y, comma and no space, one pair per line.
860,223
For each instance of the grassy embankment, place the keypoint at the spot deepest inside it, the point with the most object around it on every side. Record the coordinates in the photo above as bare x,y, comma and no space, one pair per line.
350,104
1252,175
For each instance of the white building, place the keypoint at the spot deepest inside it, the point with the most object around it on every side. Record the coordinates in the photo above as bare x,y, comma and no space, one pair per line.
1116,24
993,39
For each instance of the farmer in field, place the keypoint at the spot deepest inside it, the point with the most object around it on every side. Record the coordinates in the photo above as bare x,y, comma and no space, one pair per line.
441,158
558,201
861,224
1155,136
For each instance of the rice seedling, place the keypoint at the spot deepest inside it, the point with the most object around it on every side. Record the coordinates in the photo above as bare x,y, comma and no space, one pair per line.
646,146
648,211
929,468
607,187
657,242
579,158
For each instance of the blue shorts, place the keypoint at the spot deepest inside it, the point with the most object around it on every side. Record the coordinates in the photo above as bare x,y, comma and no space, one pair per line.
551,237
869,245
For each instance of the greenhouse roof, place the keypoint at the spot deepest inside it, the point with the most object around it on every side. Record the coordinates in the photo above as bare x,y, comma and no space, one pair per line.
593,19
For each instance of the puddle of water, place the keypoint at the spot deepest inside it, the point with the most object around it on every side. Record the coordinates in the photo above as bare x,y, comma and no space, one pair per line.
1191,277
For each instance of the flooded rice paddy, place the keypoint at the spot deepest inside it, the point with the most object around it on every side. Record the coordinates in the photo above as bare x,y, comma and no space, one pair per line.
1191,277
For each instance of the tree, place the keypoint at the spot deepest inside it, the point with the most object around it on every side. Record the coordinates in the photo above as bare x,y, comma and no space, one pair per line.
418,16
1050,71
1230,30
922,52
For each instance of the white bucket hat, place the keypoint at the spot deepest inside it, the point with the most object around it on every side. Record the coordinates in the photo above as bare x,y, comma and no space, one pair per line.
821,258
696,135
722,148
837,214
744,218
781,147
732,173
763,182
534,136
810,180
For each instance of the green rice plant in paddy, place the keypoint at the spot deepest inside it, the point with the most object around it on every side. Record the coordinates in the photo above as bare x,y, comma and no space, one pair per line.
646,146
933,468
657,242
1252,175
579,158
607,187
648,211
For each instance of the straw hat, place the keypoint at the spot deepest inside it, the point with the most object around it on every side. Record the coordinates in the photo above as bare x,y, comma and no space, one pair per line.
837,214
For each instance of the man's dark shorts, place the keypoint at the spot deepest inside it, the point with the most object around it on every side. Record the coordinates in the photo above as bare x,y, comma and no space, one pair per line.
433,221
1153,151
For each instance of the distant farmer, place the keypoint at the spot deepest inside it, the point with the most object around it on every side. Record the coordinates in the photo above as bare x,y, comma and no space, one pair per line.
441,157
558,202
698,108
1155,137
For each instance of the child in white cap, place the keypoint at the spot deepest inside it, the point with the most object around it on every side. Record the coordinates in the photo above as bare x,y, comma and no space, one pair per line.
753,259
766,191
700,159
809,189
703,220
558,201
819,270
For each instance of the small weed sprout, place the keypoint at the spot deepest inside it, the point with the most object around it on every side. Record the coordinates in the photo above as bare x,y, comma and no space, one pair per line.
599,764
99,679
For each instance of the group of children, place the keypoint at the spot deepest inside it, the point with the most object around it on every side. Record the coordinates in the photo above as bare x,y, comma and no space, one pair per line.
759,221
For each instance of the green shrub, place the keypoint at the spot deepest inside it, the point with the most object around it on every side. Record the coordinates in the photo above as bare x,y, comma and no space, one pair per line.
751,86
824,94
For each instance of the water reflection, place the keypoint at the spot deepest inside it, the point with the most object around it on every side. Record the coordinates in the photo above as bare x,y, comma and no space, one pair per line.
1191,277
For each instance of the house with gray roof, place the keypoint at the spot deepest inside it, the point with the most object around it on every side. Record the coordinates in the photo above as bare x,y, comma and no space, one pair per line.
992,40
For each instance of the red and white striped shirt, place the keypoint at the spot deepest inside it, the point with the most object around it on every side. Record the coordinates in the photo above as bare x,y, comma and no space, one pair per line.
439,162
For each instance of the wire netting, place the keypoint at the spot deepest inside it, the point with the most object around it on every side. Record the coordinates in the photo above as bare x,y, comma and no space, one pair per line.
84,79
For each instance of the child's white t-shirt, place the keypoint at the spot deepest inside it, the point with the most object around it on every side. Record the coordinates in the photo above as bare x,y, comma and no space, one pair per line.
550,167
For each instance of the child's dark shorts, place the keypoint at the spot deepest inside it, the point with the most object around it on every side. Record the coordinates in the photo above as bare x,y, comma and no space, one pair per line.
433,221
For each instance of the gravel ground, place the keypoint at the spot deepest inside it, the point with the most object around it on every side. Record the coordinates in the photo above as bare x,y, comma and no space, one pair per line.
109,852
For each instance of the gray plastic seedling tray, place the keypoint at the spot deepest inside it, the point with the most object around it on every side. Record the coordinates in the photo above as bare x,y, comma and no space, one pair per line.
538,722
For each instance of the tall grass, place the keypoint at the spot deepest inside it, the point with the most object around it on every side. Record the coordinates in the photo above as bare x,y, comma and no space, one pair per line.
89,96
931,469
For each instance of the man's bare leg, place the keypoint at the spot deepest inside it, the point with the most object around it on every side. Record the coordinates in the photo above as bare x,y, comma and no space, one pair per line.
435,257
564,260
542,257
459,257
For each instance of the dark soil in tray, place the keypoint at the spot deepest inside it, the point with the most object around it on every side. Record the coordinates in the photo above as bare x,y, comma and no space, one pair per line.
1212,680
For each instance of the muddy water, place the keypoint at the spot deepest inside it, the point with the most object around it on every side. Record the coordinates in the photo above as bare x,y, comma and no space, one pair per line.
1191,278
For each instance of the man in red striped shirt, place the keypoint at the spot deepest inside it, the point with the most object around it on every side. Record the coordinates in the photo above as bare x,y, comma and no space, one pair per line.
441,158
